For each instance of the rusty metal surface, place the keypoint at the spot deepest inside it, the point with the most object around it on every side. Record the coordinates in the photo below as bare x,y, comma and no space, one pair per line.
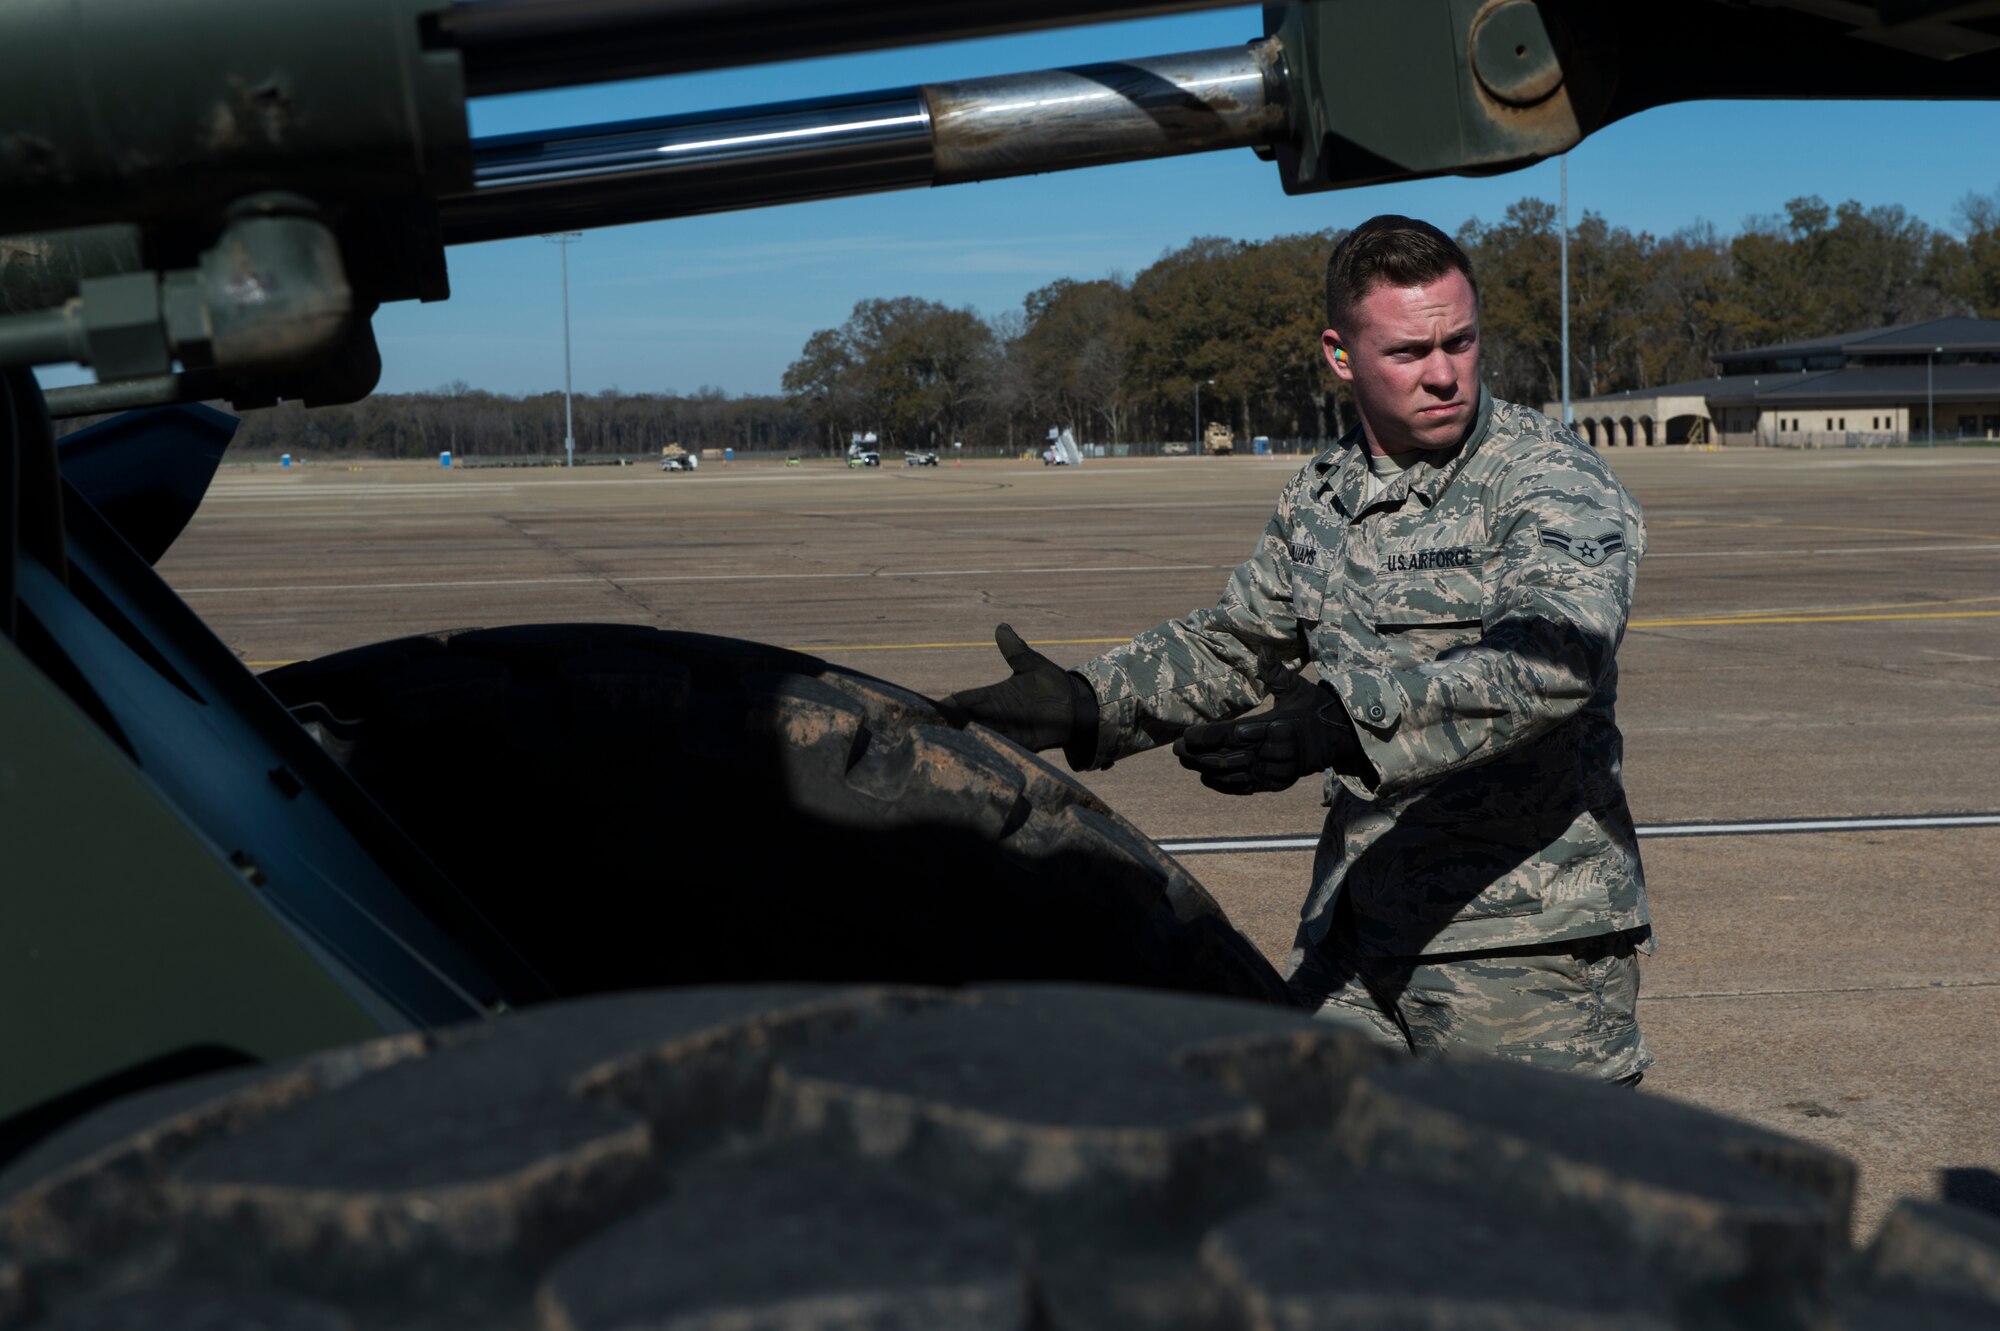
38,272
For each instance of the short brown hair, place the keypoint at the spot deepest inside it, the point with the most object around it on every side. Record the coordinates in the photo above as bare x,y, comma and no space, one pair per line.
1389,249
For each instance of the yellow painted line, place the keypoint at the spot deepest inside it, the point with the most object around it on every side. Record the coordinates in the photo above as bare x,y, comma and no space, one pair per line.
1820,612
1886,531
863,647
1717,622
1810,619
1780,524
870,647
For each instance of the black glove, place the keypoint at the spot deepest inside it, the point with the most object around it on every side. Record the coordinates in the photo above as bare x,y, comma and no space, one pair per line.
1306,733
1042,706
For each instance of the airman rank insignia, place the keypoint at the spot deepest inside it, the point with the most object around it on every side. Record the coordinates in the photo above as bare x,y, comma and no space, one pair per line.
1590,551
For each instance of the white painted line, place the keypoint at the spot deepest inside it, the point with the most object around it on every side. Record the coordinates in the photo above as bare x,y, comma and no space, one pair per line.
1785,825
390,586
474,483
286,489
1251,845
935,573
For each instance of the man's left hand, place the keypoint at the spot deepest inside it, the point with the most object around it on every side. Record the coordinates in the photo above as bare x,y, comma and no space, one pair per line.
1306,733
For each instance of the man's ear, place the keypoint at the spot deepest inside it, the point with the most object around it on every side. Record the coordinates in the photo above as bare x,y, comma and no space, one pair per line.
1336,355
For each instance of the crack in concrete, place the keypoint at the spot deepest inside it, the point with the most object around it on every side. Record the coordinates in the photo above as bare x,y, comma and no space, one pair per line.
652,614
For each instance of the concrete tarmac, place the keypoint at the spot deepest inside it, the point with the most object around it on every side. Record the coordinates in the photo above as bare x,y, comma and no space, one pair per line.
1816,634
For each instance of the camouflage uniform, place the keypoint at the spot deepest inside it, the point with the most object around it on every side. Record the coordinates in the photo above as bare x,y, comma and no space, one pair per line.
1468,618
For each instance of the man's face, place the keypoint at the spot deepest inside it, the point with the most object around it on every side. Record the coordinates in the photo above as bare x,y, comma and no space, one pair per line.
1412,362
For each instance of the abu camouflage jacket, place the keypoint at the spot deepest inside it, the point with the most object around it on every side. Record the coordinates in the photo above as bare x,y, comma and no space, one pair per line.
1469,618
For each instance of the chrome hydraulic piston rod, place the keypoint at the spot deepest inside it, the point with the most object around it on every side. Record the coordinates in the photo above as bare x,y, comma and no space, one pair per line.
938,134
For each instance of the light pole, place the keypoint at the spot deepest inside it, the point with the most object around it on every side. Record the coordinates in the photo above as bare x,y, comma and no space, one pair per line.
1197,412
1569,417
1930,399
564,239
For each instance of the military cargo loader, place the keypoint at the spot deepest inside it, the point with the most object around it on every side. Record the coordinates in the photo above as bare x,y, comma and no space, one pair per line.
306,1027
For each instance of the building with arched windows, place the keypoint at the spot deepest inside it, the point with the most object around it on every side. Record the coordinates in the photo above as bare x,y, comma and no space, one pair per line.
1876,386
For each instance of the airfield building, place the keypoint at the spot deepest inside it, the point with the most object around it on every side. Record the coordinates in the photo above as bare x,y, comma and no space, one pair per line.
1876,386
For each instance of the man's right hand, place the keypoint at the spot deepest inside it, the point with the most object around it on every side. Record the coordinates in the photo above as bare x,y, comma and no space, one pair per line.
1306,733
1040,706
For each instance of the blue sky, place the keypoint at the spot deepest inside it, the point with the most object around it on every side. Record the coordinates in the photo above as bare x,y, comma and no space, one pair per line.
728,300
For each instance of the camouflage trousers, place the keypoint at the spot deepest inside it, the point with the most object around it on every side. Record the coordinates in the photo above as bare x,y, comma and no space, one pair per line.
1569,1007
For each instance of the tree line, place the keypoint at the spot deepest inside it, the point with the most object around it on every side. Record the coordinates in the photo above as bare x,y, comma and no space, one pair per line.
476,425
1120,359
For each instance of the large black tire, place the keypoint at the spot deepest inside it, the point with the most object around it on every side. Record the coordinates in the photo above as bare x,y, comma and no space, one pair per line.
1034,1157
636,807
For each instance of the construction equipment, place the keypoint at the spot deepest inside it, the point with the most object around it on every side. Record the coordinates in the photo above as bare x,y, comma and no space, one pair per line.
208,201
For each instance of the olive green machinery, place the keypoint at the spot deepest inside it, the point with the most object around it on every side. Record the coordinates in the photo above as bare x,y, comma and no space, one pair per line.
208,199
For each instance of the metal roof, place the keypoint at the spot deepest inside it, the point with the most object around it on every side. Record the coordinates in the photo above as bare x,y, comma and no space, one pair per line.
1882,383
1727,383
1852,383
1936,334
1953,334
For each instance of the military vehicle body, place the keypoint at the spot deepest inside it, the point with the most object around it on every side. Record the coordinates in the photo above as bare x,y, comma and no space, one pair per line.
213,880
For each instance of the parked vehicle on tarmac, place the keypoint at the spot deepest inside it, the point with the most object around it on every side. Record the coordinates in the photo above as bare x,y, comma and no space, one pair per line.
376,991
920,459
867,458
